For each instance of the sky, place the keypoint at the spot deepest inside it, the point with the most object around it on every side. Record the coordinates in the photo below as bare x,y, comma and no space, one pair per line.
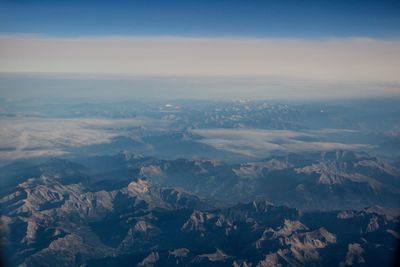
334,41
205,18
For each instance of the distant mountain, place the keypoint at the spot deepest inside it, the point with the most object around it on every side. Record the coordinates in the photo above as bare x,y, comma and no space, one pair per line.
63,170
328,180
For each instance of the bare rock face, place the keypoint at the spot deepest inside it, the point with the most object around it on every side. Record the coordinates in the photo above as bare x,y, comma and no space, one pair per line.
45,197
139,187
196,221
288,228
241,264
388,213
271,260
341,166
156,197
217,256
179,252
298,245
150,260
373,224
179,255
256,169
332,173
346,214
142,234
394,233
354,255
31,231
72,249
304,246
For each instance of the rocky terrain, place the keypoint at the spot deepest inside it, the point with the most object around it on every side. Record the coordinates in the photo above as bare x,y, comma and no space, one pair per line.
309,181
67,214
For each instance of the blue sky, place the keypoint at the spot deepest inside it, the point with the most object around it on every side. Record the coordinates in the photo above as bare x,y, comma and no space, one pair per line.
216,18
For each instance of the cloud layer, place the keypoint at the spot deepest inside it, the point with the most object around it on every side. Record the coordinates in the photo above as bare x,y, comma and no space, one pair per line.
40,137
332,59
27,137
261,143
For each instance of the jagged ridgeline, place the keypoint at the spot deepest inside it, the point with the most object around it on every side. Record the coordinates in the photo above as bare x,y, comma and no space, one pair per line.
128,210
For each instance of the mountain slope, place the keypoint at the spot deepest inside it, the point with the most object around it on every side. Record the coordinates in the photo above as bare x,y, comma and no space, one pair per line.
329,180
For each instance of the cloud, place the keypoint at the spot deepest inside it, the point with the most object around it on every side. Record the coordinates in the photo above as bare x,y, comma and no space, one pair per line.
38,137
27,137
24,154
330,59
260,143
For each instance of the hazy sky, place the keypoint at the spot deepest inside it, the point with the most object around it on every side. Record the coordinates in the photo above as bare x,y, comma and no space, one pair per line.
337,59
333,41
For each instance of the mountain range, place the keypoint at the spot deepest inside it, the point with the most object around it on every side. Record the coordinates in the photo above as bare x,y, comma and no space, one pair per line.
336,208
